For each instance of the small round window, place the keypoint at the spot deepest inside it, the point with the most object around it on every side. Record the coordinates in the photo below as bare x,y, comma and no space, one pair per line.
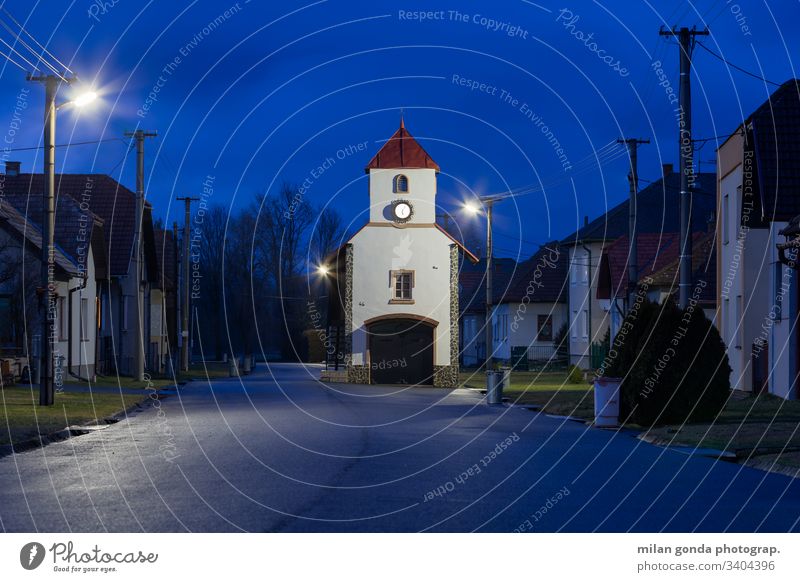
400,183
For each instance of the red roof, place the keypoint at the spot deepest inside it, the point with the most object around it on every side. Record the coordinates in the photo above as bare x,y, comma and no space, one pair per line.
401,151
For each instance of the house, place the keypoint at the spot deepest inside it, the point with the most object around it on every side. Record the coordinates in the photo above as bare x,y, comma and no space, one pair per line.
394,284
115,205
79,264
529,306
758,193
658,258
657,211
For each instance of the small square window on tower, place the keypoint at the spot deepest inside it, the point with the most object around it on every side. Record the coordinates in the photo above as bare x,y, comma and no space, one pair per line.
402,287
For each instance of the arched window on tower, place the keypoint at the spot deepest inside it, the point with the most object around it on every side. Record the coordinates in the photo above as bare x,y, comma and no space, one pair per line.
400,183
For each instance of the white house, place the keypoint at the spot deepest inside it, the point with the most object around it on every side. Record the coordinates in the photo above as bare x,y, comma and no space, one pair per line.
395,296
657,208
79,257
758,192
529,307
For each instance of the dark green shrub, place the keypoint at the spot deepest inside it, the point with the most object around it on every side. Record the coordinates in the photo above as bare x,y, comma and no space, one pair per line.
673,365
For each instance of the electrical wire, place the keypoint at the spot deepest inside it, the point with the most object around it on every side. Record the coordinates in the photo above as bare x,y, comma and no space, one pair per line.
62,145
10,60
51,55
738,68
25,45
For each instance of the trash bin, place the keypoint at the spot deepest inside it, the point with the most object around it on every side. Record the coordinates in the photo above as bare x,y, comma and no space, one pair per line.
494,387
606,402
505,379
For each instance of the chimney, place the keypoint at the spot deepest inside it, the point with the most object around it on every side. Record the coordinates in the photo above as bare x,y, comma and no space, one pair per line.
12,168
586,220
667,169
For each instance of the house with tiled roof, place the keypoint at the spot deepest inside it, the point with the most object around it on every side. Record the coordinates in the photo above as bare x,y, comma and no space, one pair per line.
658,258
758,192
657,211
529,306
103,197
79,259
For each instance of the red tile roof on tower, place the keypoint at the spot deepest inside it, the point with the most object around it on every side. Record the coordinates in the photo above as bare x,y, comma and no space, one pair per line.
401,151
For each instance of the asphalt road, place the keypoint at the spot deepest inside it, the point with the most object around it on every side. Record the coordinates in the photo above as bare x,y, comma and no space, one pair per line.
280,451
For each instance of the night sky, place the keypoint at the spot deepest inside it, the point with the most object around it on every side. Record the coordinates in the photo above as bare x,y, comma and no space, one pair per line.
257,93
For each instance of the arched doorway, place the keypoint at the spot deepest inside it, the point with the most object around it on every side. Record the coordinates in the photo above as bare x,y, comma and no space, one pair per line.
401,350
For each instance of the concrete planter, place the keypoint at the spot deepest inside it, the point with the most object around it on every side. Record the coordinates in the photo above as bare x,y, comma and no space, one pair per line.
606,402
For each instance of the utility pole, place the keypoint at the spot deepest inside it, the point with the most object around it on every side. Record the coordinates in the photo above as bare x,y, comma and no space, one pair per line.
489,296
185,280
633,178
686,39
138,349
46,392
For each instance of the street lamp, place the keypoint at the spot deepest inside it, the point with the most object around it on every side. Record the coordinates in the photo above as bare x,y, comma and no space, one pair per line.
51,83
323,270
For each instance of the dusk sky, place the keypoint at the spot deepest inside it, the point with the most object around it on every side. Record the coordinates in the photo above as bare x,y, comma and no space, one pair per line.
273,89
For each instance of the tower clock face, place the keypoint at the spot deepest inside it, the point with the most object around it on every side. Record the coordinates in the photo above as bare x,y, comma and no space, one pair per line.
402,211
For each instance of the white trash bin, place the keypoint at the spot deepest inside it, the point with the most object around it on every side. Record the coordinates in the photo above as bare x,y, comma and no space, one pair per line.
606,402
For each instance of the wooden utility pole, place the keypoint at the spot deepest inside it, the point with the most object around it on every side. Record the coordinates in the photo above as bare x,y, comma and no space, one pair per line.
686,40
633,178
187,234
138,348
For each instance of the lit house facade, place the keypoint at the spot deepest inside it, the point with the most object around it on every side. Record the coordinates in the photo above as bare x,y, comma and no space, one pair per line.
394,285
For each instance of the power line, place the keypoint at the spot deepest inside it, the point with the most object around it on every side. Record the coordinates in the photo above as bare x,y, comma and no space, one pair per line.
10,60
22,29
62,145
738,68
24,44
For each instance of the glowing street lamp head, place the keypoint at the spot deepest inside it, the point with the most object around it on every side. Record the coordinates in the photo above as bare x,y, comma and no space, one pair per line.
84,98
323,270
472,207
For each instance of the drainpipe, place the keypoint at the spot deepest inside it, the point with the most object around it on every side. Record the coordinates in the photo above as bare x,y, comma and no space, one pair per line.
69,333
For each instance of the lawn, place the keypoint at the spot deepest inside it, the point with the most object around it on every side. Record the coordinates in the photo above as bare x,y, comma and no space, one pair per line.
551,391
762,425
766,426
20,413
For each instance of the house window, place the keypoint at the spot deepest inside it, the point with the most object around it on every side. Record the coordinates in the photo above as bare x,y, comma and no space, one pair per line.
545,324
574,326
585,323
579,273
402,286
738,321
7,332
61,315
725,219
400,184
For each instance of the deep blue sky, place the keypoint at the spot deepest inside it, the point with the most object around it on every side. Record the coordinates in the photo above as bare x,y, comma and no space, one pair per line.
279,87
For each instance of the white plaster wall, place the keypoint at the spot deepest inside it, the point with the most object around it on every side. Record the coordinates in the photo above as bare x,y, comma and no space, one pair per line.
583,296
745,280
421,193
377,250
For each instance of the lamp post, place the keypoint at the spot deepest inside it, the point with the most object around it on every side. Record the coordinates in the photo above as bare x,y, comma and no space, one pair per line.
51,83
474,208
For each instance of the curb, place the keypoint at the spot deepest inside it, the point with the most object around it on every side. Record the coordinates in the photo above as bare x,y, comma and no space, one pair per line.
78,430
